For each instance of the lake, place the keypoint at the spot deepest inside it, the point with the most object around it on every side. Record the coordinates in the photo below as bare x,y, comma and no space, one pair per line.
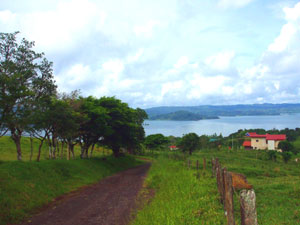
224,125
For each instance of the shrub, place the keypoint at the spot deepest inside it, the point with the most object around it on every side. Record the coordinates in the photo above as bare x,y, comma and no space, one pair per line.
272,155
286,156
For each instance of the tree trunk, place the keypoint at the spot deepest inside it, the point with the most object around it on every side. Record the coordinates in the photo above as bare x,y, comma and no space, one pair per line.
31,148
57,147
62,149
54,147
71,150
116,151
39,153
91,154
17,139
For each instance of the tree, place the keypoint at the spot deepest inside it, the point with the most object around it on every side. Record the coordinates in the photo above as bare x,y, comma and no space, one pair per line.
155,141
25,80
286,146
94,124
189,142
125,125
286,156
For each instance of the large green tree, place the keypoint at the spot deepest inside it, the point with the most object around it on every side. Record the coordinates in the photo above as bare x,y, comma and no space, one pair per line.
125,125
189,142
25,80
153,141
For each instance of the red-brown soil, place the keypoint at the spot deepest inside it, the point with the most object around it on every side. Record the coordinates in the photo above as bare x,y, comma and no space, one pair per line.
109,202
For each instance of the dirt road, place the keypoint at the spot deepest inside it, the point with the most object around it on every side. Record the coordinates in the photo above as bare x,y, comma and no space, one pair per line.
109,202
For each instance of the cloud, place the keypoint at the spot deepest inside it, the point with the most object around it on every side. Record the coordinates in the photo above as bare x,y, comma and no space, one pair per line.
151,53
233,3
220,61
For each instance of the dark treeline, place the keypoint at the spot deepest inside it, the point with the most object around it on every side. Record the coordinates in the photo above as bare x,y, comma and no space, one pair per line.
31,105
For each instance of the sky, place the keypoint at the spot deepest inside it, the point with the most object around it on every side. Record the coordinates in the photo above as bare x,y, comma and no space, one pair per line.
166,52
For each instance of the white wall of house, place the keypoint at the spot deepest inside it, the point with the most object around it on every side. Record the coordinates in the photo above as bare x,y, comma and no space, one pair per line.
271,145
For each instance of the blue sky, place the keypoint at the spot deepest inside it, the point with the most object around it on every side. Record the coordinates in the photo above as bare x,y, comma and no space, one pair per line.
167,52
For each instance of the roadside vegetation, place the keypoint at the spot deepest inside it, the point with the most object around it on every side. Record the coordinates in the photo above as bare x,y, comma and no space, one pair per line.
276,182
27,186
179,196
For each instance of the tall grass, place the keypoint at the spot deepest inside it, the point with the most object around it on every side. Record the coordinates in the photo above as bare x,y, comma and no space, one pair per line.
26,186
276,184
180,198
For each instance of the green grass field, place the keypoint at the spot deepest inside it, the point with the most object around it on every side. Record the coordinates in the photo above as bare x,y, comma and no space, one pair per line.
26,186
179,195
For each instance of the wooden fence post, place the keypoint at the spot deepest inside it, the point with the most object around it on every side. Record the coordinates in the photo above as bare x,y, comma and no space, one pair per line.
204,163
189,163
248,207
229,198
216,165
223,172
219,181
213,167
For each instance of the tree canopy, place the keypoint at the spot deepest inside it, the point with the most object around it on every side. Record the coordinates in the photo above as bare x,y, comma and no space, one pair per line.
26,80
189,142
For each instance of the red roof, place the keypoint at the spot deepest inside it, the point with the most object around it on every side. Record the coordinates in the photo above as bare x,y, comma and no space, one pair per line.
247,144
255,135
172,146
276,137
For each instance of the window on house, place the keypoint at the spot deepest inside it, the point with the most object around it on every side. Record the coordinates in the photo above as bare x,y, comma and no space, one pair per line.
256,140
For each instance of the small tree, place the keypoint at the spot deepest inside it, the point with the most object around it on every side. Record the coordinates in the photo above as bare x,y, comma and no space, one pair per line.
286,156
155,141
189,142
286,146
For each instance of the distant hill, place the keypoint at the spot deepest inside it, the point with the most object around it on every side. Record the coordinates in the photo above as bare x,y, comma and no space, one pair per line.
214,111
182,116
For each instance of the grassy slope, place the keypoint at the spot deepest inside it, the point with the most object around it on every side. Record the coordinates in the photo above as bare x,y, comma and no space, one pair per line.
277,184
26,186
180,198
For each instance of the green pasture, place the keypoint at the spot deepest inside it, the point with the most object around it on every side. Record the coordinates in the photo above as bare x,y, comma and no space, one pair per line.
179,194
26,186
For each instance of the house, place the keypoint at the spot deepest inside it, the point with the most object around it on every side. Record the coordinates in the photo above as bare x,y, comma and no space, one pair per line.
173,147
263,141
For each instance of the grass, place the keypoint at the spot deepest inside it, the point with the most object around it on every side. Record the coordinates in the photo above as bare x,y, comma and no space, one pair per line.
276,184
26,186
180,197
8,150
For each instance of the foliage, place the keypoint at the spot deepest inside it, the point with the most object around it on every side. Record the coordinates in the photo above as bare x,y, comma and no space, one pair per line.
125,125
25,80
189,142
286,146
180,198
27,186
272,155
286,156
154,141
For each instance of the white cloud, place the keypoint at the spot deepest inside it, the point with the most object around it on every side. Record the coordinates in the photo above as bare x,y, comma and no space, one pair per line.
151,53
7,16
183,60
233,3
220,61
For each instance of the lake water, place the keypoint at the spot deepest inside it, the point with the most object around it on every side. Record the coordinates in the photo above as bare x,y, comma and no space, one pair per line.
224,125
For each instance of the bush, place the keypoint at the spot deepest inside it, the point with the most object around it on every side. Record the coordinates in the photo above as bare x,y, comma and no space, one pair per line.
272,155
286,156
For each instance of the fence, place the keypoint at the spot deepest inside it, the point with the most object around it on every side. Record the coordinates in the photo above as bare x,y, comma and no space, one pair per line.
229,183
